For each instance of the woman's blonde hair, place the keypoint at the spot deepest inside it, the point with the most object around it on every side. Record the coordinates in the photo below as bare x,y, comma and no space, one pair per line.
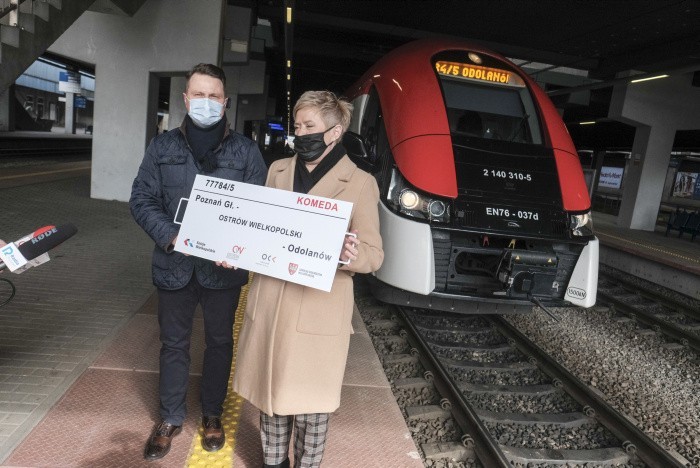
334,110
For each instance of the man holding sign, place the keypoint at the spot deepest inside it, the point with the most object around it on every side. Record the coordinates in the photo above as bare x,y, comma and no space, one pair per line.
295,338
203,144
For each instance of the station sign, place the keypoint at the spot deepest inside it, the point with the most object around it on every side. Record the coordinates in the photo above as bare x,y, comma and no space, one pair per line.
80,102
69,82
611,177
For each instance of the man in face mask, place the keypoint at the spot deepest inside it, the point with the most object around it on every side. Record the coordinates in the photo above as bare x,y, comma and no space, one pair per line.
204,144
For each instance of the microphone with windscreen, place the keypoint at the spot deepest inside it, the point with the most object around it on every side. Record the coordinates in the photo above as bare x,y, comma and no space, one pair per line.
17,254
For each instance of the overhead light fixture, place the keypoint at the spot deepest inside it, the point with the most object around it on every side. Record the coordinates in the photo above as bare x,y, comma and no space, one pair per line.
289,64
649,78
588,122
289,77
289,14
474,58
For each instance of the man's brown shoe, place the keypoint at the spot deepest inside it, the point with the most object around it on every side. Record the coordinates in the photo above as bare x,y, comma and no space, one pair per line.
158,444
214,437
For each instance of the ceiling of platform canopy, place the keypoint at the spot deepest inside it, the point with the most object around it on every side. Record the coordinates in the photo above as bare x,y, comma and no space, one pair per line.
331,43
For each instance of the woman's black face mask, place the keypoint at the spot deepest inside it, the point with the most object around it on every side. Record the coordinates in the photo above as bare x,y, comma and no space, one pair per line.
310,147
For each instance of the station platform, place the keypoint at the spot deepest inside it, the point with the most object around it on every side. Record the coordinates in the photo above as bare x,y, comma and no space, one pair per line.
79,356
670,261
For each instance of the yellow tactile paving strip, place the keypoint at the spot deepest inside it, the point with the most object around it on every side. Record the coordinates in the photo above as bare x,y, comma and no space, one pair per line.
232,410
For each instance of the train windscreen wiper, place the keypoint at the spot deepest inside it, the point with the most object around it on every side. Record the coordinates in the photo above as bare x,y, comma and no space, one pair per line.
521,125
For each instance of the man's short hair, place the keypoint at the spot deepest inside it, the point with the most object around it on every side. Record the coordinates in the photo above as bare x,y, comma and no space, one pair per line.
206,69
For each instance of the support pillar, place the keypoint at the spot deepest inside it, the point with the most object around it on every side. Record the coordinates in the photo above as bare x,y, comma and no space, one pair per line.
645,177
657,109
70,113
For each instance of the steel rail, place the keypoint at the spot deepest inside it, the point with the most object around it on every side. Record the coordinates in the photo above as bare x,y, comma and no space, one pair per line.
667,328
635,441
653,295
485,447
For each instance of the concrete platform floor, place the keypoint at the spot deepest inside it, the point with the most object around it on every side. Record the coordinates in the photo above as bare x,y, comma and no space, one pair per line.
79,355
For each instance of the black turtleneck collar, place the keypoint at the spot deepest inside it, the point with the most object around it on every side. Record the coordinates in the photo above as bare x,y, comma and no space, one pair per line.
305,180
203,141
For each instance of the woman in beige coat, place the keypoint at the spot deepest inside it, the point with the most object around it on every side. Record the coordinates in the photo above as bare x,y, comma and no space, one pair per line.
294,342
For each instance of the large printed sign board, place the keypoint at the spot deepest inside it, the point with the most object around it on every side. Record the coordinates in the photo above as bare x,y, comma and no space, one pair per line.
610,177
69,82
291,236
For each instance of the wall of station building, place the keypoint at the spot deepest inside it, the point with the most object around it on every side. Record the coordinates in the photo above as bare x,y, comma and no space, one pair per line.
657,109
163,38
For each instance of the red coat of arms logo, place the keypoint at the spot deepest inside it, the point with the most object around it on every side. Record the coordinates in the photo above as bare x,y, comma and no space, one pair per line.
293,267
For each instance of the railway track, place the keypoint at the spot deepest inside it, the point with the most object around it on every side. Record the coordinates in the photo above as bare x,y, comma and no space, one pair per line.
18,151
663,314
488,397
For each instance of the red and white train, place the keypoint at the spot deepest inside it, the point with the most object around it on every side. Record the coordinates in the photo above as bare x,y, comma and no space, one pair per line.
484,207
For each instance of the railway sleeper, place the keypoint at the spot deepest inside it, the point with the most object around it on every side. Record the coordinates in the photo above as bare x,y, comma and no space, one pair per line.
454,451
575,419
566,457
498,348
399,359
427,412
412,383
531,390
497,366
477,330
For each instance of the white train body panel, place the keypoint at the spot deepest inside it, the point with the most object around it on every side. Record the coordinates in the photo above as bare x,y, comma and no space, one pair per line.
583,286
409,262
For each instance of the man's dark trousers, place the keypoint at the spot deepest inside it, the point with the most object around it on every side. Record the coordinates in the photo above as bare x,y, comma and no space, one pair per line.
175,316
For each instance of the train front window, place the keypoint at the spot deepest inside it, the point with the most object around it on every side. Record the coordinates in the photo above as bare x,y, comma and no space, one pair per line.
495,109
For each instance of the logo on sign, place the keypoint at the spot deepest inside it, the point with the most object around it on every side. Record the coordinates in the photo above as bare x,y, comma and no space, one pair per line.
8,250
189,243
576,293
293,267
268,258
237,251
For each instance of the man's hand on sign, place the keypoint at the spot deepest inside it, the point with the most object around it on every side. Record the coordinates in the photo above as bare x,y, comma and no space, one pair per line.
225,265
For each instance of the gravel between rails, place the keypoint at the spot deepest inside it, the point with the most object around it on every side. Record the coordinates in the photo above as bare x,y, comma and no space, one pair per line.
657,386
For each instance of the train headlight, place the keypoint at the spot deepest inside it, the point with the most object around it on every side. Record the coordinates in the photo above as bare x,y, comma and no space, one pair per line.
411,202
582,224
436,208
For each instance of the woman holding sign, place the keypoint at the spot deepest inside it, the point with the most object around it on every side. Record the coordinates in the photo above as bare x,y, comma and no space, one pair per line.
294,342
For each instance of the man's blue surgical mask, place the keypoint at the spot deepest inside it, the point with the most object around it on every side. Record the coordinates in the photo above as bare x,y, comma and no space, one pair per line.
205,112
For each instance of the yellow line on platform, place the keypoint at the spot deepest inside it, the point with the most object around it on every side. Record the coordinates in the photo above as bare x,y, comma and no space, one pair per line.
223,458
